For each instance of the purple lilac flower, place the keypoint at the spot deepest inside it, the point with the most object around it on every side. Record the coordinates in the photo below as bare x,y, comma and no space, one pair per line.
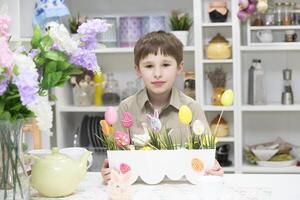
3,86
33,53
55,47
89,31
27,84
20,49
84,58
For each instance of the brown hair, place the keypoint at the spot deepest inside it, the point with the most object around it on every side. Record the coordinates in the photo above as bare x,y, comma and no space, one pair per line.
153,42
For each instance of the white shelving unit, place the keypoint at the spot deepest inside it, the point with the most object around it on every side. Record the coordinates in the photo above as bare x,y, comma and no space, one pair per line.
248,124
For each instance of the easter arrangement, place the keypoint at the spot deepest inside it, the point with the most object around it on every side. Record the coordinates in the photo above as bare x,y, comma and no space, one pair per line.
155,154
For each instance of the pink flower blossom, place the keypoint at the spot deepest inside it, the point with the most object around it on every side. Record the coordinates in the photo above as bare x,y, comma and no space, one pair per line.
127,120
122,139
6,56
4,26
124,168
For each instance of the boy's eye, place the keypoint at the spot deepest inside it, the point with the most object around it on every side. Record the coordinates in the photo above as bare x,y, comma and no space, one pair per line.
148,66
166,64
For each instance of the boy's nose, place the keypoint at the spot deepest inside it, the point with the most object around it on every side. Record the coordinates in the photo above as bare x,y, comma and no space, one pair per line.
157,72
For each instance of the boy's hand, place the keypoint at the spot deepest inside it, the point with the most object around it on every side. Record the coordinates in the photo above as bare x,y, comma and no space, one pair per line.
105,172
216,170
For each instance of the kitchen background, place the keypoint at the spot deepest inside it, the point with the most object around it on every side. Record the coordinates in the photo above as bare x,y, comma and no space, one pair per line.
266,106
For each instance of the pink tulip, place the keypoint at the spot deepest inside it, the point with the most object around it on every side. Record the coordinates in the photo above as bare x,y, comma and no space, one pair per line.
127,120
122,139
111,115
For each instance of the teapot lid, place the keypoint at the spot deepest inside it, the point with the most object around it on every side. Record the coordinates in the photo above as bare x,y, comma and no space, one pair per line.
56,155
218,39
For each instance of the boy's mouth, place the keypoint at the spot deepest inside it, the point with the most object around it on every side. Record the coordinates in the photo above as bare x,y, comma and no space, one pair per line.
158,83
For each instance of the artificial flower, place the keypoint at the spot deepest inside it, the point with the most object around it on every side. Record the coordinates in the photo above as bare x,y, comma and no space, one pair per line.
60,35
227,98
4,26
122,139
111,115
208,140
106,129
185,114
6,56
85,58
124,168
26,78
127,120
43,112
198,127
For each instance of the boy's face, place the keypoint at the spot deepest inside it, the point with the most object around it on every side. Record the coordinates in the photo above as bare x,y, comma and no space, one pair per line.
158,72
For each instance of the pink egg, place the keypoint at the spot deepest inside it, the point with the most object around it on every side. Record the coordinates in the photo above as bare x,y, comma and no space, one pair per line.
242,15
251,8
243,4
111,115
122,139
127,120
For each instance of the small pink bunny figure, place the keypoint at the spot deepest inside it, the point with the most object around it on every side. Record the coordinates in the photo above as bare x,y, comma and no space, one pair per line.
154,121
119,187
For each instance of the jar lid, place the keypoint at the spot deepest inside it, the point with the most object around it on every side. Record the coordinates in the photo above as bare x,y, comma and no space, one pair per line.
218,39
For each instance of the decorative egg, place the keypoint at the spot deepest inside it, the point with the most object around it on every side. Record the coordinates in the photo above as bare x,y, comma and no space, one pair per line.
111,115
185,114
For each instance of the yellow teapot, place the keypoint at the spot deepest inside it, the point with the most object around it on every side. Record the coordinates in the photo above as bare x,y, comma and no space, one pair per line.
58,175
218,48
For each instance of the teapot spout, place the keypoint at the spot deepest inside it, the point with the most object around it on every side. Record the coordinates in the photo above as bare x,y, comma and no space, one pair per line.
83,163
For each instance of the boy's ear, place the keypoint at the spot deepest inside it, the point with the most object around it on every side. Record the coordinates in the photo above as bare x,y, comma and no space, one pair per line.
137,70
180,68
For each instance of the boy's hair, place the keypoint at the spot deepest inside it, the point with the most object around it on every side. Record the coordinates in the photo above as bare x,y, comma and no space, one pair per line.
166,43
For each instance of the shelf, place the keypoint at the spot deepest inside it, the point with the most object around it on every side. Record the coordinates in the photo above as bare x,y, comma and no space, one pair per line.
270,48
217,61
271,107
220,24
217,108
82,108
258,169
130,49
274,27
226,139
229,169
280,44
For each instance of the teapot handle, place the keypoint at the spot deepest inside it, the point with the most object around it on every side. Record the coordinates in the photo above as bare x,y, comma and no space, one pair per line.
90,161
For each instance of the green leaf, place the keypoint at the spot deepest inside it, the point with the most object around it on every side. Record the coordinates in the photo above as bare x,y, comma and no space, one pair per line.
54,78
5,116
73,71
2,77
62,66
37,35
16,70
46,43
39,60
52,97
50,67
63,81
1,107
55,56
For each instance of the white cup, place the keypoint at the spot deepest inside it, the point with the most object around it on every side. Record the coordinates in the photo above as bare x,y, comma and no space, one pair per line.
73,152
210,187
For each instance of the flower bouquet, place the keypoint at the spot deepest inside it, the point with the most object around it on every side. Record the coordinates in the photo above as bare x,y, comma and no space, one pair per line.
25,78
156,153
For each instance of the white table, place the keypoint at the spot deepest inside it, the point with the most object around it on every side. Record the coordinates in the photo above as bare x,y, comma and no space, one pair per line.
237,187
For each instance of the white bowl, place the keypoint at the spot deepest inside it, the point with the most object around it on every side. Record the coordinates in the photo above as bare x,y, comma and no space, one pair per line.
296,152
264,154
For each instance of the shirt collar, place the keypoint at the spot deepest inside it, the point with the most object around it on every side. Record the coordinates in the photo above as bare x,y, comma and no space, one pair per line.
174,99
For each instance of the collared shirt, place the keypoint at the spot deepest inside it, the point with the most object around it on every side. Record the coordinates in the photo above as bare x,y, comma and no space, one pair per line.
139,106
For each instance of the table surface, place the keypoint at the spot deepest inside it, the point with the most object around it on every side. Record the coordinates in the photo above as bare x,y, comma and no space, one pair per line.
236,187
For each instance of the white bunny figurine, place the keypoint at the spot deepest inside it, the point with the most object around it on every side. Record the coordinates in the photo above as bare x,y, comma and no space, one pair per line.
119,187
154,121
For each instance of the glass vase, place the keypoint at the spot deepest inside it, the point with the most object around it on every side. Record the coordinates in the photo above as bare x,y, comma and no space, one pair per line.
217,94
14,181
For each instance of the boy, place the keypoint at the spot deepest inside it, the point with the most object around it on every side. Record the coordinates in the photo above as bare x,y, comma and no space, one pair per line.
158,59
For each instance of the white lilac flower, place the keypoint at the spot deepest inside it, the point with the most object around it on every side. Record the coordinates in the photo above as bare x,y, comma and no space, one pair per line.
43,112
61,37
198,127
26,78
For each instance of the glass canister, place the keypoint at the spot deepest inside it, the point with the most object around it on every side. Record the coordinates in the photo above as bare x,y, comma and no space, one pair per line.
111,95
189,84
269,17
278,9
286,20
293,13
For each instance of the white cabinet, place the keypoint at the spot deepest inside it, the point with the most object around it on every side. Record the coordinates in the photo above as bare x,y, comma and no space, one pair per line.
248,124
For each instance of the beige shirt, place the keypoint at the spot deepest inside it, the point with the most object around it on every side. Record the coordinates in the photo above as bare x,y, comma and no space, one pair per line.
139,106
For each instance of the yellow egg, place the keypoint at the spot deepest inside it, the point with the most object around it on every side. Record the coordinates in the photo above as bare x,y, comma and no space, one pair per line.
185,114
227,98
